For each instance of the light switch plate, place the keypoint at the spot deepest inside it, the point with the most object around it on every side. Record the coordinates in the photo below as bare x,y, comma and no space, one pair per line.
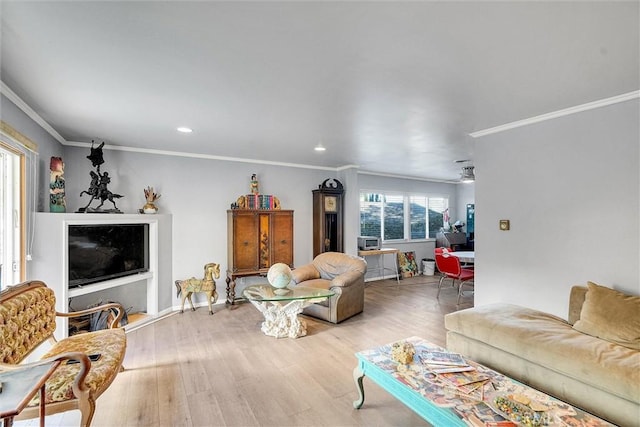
504,224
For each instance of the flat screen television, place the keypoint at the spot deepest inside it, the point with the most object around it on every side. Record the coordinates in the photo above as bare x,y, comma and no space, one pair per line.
106,251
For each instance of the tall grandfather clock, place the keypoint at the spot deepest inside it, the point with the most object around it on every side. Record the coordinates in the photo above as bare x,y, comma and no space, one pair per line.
327,217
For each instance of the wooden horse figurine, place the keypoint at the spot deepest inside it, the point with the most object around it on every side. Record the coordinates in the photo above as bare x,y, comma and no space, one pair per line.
206,285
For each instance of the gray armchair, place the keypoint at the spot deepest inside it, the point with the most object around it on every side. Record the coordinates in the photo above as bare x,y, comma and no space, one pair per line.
342,274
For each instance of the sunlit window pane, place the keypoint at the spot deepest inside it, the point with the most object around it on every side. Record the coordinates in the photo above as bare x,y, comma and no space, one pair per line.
393,217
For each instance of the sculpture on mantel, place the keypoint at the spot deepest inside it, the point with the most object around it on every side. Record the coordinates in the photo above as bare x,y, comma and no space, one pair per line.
98,186
57,201
151,196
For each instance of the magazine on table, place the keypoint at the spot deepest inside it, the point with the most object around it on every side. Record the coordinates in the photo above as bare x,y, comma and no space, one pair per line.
459,379
442,358
444,369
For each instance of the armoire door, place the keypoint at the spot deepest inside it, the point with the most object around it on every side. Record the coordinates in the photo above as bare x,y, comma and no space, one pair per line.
245,245
282,238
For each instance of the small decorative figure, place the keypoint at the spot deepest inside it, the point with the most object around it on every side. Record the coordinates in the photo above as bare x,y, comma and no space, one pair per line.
254,184
445,220
99,182
206,285
403,352
57,201
241,202
150,196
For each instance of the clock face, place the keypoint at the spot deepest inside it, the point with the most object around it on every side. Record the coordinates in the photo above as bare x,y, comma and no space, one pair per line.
330,204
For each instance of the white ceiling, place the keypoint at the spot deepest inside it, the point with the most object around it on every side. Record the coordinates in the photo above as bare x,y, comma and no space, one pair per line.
391,87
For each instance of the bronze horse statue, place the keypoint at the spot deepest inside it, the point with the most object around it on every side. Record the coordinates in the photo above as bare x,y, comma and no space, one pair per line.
206,285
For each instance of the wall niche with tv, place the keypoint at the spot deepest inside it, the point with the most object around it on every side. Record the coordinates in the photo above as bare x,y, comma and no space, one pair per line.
100,252
91,255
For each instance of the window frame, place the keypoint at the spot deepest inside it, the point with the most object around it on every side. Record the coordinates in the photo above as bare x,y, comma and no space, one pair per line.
407,217
17,239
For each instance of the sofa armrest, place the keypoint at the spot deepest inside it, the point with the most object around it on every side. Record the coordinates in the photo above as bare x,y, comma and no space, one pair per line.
346,279
83,359
112,305
306,272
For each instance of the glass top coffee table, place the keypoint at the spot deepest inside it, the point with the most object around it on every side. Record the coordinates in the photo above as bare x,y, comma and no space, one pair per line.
280,307
443,402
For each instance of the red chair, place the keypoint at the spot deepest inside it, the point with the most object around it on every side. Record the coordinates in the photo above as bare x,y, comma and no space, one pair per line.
450,268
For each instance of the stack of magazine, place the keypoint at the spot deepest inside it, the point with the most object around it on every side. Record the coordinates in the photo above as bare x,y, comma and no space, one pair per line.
451,369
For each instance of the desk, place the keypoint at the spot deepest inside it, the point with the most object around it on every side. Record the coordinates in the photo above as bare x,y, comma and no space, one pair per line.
19,386
381,253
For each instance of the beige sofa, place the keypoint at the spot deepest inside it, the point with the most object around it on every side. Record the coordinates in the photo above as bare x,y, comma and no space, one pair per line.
341,273
566,359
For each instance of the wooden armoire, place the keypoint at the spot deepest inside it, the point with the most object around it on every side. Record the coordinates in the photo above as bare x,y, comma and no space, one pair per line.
256,240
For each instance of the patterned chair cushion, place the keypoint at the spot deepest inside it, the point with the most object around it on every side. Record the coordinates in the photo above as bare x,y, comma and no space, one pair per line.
26,320
110,343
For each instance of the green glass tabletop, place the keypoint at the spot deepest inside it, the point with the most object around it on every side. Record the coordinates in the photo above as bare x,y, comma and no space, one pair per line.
269,293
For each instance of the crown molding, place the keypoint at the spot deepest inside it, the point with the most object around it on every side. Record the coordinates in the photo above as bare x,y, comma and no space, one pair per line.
199,156
19,102
413,178
560,113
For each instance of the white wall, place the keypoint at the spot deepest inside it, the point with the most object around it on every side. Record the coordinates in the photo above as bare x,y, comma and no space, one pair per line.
571,189
197,192
47,147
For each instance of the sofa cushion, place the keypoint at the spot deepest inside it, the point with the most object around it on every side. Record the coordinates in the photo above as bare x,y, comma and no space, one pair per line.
551,342
321,284
610,315
332,264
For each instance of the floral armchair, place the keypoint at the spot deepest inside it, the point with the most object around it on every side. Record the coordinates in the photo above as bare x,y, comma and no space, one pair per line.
28,318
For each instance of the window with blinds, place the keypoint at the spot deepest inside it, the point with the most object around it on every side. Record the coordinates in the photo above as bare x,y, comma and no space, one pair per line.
401,217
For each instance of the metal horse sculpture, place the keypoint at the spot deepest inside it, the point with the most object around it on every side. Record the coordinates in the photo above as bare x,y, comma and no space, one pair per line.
206,285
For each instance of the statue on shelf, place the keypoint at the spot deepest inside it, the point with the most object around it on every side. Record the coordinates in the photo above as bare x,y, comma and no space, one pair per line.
151,196
254,184
98,188
57,201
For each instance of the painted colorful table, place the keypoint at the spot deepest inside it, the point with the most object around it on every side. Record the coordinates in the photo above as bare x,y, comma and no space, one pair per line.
442,404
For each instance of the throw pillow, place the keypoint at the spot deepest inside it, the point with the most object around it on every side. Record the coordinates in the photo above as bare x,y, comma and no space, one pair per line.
610,315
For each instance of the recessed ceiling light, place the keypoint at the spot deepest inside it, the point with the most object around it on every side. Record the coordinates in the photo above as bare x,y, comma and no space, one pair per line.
184,129
319,147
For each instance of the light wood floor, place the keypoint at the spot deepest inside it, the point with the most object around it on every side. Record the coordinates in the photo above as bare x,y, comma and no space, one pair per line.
194,369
